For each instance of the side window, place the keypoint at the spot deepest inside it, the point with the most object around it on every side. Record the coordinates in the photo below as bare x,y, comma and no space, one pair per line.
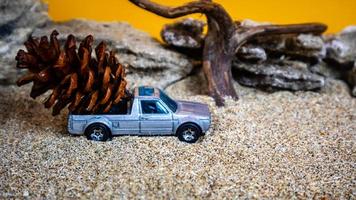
152,107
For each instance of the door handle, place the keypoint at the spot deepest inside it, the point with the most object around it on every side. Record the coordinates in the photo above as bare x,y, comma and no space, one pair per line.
144,118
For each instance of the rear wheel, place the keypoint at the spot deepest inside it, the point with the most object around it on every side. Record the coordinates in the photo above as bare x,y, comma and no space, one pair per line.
189,133
98,132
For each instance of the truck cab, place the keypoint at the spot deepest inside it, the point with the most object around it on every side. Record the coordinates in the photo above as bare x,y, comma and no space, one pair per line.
149,112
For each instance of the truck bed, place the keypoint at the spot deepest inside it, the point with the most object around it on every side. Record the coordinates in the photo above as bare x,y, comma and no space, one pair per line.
122,108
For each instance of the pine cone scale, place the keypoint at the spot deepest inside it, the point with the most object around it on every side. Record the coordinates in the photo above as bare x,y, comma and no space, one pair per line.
90,81
93,100
28,78
73,84
107,96
39,89
26,60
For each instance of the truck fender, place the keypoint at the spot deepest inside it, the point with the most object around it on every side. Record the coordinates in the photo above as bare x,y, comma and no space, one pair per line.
188,120
99,119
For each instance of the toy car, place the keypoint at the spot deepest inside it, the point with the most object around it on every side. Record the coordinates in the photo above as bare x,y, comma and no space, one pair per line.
149,112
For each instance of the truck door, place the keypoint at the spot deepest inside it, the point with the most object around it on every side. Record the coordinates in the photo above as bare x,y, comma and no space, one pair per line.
155,118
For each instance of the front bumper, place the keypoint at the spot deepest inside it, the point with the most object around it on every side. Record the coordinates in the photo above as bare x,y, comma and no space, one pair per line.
205,123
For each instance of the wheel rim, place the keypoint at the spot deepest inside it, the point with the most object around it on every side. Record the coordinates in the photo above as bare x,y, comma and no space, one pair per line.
188,134
97,134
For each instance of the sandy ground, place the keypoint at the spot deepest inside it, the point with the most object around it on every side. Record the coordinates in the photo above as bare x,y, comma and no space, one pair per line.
278,145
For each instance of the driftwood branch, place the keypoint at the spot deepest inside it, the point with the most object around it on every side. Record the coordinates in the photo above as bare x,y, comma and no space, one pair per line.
169,12
209,8
244,34
223,40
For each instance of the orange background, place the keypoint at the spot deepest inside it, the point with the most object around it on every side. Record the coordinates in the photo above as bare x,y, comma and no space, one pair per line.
335,13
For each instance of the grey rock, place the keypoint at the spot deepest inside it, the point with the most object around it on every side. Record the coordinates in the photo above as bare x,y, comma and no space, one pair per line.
341,54
252,23
342,48
252,53
326,70
309,42
21,13
304,47
18,20
288,75
147,61
335,87
187,33
351,80
272,69
8,50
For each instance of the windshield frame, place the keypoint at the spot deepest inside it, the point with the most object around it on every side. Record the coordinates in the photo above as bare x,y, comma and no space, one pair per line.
171,104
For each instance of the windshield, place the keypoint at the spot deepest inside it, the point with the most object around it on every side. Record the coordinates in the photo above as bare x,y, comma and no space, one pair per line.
168,101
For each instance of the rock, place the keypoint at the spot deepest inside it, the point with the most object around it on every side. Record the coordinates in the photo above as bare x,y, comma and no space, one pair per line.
304,47
335,87
308,42
351,79
147,61
252,53
288,75
8,50
21,13
326,70
341,54
252,23
187,33
264,62
341,49
18,19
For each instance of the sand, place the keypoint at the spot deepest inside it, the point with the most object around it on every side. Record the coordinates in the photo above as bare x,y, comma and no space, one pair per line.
265,145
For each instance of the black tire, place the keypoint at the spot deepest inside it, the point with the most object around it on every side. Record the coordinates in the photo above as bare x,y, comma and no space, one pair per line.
189,133
98,132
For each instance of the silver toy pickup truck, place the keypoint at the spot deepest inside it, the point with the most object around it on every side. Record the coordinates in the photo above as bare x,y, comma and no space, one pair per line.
149,112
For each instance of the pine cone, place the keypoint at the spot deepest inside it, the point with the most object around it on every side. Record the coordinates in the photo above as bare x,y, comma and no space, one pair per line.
87,84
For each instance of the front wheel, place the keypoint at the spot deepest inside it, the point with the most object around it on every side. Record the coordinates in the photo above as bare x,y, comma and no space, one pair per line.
189,133
98,132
